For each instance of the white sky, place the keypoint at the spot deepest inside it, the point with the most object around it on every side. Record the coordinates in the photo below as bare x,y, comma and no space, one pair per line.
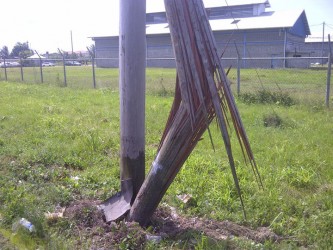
46,24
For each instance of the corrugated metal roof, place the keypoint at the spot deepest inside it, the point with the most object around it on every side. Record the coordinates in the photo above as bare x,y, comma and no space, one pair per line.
274,19
155,6
160,28
223,3
318,39
268,20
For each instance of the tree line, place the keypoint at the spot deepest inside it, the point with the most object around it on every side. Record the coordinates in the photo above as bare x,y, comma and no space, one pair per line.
20,50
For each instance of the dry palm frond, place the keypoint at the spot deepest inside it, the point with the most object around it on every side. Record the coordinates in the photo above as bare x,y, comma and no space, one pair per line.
202,94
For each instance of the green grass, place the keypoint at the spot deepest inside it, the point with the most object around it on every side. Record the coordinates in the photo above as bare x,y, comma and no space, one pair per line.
305,85
50,134
159,81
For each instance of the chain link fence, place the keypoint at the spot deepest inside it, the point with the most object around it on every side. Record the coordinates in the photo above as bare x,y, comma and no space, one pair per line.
305,79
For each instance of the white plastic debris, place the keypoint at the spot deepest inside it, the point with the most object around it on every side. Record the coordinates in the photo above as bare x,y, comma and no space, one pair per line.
185,198
75,178
27,224
154,238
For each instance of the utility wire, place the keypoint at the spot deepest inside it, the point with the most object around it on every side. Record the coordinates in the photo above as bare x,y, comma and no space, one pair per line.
316,24
330,26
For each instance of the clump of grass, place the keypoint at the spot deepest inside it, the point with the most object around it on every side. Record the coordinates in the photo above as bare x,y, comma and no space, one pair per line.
268,97
272,120
163,91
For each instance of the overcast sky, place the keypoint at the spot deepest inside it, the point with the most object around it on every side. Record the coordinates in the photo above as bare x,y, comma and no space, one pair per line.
46,24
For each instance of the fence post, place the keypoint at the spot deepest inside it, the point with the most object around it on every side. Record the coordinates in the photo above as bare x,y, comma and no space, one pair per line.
65,74
238,68
40,67
238,75
329,69
93,69
4,64
64,65
21,66
92,55
328,83
41,70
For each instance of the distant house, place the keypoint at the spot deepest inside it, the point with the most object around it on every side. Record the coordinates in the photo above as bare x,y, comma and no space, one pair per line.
242,26
34,60
35,56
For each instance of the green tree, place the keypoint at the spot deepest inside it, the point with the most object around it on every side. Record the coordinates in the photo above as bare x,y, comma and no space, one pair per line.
21,50
4,52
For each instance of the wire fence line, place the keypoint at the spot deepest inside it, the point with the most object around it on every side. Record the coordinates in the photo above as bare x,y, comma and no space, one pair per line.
305,78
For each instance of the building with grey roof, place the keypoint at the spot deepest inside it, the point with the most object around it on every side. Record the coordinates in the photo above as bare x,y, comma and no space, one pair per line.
244,29
316,46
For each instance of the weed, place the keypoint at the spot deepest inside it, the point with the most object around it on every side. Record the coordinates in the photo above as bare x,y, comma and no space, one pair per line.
267,97
272,120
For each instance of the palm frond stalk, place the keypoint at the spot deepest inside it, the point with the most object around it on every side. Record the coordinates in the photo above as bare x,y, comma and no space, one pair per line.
202,94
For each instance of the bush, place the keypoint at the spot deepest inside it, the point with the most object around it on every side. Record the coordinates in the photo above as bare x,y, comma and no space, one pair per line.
267,97
272,120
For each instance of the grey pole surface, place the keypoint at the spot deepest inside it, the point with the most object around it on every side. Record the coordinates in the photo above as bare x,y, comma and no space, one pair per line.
329,70
328,80
64,66
132,64
21,67
40,67
322,44
5,67
93,70
238,69
72,45
92,55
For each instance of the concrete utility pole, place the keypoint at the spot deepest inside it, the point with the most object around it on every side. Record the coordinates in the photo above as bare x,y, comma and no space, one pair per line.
132,77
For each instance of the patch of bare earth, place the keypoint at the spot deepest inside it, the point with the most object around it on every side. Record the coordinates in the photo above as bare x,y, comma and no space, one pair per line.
91,228
5,244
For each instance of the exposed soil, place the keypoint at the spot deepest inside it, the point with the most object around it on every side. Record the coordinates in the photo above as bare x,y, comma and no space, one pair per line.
91,228
5,244
172,224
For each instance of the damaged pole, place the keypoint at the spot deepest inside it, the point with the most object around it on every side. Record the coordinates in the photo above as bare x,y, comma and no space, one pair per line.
132,65
132,76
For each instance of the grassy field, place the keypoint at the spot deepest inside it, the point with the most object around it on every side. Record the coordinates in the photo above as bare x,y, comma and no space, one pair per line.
59,145
305,85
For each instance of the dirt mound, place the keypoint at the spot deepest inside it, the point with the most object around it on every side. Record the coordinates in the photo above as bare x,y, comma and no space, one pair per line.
171,223
94,231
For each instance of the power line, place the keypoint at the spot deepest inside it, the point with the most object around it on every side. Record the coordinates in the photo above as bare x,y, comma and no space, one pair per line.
234,22
330,26
316,24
